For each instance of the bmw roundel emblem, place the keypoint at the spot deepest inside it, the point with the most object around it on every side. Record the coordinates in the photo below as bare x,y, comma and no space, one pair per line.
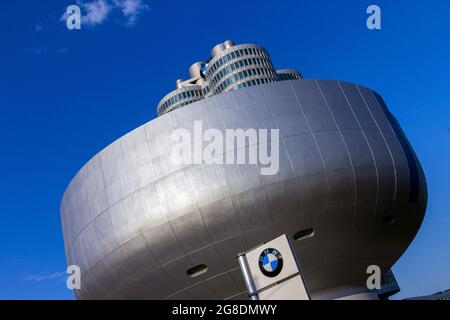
270,262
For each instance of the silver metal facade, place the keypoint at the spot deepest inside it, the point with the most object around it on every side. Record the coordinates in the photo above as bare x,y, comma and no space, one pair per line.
135,223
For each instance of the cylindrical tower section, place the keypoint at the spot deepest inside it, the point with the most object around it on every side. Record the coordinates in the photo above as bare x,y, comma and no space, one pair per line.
179,83
206,88
195,70
235,67
180,97
217,50
288,74
228,44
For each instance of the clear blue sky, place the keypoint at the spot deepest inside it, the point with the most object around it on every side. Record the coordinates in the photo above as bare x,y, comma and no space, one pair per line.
65,95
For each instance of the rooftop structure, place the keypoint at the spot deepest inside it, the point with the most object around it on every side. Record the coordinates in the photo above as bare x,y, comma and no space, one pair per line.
230,67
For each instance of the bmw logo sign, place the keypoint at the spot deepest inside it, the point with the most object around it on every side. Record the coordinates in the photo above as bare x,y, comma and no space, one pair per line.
270,262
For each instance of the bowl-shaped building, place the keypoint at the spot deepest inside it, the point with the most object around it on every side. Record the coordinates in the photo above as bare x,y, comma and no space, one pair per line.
349,192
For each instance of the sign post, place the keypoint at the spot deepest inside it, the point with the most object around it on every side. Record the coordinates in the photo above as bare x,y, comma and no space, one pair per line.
271,272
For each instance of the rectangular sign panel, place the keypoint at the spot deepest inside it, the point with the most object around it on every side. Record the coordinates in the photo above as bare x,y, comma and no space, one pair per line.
291,289
272,271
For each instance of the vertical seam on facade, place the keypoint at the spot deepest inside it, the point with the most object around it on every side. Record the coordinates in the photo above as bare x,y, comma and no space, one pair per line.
348,153
371,151
244,234
141,233
161,267
209,233
157,183
393,159
231,196
174,234
235,213
321,158
263,186
385,141
302,217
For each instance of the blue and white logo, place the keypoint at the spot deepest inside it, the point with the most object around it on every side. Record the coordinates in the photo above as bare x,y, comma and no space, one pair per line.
270,262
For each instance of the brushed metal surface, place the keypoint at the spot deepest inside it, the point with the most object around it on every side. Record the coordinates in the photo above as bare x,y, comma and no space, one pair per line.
135,223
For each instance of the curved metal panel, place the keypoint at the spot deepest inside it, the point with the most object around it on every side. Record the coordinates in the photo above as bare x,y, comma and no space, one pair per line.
135,222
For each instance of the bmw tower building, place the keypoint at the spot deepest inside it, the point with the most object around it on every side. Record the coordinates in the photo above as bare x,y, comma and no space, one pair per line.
349,191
